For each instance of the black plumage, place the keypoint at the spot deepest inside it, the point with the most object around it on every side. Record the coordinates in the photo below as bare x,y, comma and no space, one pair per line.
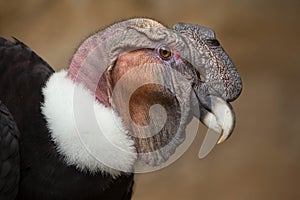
43,174
9,155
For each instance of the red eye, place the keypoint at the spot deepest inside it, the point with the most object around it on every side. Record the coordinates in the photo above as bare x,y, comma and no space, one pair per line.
165,52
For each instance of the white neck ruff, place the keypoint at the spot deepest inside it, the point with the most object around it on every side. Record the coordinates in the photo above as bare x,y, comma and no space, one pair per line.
90,136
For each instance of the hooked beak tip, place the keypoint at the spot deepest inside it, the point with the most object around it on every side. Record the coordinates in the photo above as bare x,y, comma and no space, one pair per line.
219,117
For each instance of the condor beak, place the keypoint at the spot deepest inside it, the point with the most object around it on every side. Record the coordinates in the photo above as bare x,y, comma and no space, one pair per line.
221,83
219,117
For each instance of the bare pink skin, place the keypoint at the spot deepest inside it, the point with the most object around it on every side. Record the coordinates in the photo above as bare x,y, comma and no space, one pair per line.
89,76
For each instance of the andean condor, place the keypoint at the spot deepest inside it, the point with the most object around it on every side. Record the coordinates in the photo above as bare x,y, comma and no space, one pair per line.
77,133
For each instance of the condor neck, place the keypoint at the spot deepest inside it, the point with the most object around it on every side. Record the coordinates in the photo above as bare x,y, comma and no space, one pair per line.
93,80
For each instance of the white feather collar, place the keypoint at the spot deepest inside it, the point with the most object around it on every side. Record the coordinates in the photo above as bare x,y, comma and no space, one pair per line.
90,136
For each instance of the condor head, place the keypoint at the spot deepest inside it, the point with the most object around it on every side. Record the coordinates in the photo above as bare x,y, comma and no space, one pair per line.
156,80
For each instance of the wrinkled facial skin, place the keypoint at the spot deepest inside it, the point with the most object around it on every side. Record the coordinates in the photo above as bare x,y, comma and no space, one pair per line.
212,62
160,86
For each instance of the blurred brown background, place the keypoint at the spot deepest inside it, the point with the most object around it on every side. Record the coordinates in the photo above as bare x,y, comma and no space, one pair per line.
262,159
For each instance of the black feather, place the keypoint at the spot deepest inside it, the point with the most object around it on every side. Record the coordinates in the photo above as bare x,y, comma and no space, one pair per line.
9,155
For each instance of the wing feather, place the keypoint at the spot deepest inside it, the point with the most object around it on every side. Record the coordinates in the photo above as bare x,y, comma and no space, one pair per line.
9,155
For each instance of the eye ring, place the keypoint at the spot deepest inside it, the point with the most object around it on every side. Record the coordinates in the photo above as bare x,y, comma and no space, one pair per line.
165,52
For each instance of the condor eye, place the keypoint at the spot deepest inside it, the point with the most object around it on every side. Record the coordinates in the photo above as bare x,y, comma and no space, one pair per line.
165,52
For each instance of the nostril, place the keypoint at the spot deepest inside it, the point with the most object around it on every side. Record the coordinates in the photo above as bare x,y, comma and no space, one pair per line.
213,42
